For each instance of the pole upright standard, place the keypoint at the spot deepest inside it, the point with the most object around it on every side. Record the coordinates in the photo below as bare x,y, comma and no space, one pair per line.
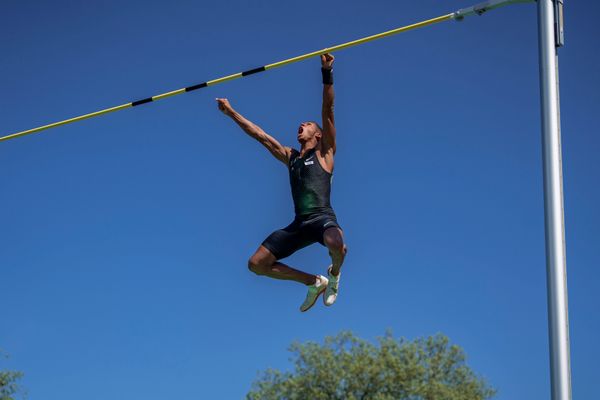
550,38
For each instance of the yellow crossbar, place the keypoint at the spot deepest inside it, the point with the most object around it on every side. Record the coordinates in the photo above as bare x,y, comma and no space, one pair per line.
233,76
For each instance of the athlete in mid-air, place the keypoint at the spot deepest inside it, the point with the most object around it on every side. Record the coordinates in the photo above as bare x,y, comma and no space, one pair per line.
310,171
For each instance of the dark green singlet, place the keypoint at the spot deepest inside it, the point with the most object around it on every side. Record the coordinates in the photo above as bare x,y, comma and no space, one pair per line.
311,184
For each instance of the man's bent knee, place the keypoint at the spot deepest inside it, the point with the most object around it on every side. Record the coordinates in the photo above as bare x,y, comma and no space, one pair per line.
259,264
334,242
255,267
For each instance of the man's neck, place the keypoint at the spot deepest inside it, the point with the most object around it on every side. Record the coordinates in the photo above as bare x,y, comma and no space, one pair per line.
308,146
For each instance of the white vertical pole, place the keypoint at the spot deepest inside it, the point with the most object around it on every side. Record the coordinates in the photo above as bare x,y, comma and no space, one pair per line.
556,267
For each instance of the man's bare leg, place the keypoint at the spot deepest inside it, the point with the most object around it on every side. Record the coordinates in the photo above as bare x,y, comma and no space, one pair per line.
263,262
334,240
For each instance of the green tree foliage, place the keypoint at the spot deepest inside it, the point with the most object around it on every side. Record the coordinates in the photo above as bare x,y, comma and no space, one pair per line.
8,383
348,368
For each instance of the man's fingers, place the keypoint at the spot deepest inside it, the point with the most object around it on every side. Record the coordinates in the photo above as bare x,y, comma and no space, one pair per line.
327,59
223,104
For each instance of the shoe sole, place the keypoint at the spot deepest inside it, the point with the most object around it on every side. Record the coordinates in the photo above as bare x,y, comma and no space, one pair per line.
315,300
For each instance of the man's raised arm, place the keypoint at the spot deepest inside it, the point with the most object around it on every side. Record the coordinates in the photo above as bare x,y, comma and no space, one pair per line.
328,141
280,152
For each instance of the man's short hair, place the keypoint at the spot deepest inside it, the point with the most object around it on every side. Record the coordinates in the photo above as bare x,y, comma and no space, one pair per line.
318,126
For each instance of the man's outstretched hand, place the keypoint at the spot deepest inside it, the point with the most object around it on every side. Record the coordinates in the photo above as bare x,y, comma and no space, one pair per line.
327,60
224,106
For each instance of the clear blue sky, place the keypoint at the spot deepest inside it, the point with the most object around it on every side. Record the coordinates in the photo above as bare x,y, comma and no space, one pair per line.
125,238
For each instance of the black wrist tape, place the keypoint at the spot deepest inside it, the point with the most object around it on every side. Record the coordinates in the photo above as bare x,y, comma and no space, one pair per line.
327,76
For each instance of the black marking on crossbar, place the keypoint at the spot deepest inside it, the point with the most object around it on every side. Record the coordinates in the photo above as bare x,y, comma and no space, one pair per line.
194,87
143,101
253,71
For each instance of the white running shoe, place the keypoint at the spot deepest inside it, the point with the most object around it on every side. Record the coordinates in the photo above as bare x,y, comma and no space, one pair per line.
314,291
332,287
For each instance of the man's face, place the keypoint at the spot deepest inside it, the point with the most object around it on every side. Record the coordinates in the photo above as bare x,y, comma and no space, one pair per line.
307,131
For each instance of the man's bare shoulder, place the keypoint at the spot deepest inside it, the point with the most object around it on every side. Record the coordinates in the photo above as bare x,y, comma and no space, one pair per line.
325,151
290,153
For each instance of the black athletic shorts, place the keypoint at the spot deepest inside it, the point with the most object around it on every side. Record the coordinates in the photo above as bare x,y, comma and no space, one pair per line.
300,233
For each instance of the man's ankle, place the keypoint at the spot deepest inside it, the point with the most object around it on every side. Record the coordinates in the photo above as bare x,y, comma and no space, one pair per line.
313,281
